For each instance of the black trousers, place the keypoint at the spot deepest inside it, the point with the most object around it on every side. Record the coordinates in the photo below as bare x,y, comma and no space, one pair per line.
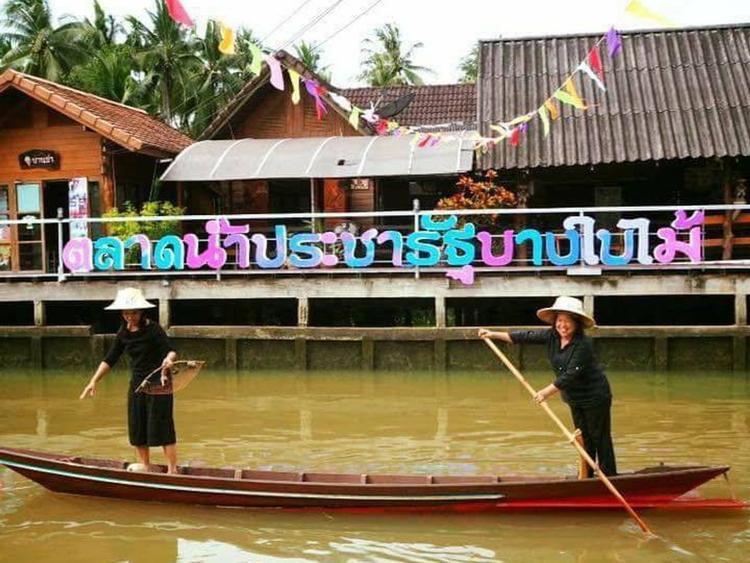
595,426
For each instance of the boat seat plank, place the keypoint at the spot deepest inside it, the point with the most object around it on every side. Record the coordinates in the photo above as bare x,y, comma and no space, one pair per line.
332,478
465,479
226,473
399,479
263,475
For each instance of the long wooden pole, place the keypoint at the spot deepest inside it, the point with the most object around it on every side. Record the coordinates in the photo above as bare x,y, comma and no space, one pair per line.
570,436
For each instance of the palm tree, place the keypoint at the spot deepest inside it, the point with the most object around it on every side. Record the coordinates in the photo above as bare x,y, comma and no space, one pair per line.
309,55
469,66
387,63
103,31
36,45
109,74
4,48
215,81
165,55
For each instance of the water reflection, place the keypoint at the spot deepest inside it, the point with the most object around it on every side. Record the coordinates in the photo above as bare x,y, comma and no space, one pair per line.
464,424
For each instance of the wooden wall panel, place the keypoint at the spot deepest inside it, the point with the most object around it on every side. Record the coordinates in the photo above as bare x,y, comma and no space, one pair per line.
80,150
272,115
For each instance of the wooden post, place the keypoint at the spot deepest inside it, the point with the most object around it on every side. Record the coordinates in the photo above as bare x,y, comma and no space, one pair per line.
727,235
230,353
303,311
300,353
107,191
39,316
164,313
441,353
440,317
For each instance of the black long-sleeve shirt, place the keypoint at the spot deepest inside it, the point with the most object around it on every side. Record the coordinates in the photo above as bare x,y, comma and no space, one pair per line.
146,348
578,375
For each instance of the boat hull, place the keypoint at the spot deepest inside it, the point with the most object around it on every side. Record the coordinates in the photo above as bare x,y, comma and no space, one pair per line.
648,488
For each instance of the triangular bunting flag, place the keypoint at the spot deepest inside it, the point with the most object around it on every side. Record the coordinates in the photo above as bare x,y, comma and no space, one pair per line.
636,8
277,77
554,113
257,63
341,101
316,91
587,69
595,62
542,111
354,117
614,44
294,78
178,13
568,99
227,39
515,136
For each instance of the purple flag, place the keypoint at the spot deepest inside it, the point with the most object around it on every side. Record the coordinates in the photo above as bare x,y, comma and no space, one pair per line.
614,44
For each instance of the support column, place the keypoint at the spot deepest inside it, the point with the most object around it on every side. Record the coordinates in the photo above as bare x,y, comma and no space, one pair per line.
164,313
588,305
37,358
368,354
740,309
440,317
739,353
661,353
97,348
39,316
303,311
441,352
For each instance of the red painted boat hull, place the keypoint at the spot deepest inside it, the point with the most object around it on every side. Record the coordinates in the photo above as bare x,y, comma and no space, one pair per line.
648,488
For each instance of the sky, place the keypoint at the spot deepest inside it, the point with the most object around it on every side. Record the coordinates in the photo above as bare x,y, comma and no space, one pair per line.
447,29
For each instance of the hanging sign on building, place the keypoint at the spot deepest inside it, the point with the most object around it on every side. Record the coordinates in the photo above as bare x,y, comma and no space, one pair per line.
39,158
78,206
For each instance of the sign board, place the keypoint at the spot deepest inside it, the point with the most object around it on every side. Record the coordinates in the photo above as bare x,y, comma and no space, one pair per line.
39,158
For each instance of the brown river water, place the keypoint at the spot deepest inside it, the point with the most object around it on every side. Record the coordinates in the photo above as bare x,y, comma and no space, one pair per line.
460,423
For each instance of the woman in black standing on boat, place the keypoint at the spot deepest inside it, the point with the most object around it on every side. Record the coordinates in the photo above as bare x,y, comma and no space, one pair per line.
150,418
578,375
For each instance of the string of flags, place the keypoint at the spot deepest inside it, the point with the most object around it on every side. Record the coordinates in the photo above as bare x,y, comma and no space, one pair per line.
511,131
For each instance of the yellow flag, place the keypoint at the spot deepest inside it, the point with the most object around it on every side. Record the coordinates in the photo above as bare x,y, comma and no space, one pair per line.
570,88
552,109
294,77
227,39
636,8
354,117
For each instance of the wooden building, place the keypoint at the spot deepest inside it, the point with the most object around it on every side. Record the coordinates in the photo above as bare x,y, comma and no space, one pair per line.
51,134
260,111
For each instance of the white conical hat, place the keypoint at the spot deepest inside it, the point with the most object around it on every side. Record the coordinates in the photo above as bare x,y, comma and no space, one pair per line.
129,298
566,305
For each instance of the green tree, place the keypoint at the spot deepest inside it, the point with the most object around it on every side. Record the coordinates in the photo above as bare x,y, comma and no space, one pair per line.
103,31
109,74
166,56
310,56
37,45
469,66
387,62
217,79
4,47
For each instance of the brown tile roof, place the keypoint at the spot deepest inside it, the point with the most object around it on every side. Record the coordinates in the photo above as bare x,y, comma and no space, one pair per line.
129,127
671,94
451,105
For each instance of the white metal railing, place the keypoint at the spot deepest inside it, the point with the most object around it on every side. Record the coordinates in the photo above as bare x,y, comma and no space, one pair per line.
545,243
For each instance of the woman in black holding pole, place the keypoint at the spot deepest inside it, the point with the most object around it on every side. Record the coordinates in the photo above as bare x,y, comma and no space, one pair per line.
150,418
578,375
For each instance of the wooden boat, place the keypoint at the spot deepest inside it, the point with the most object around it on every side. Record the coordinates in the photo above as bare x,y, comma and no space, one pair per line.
651,487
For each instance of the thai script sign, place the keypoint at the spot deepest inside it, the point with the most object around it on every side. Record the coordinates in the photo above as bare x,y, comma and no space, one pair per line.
438,242
39,158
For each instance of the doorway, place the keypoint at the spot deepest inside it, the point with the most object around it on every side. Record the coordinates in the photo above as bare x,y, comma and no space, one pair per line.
55,197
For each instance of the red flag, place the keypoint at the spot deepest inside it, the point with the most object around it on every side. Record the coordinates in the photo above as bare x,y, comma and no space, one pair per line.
515,136
178,13
595,62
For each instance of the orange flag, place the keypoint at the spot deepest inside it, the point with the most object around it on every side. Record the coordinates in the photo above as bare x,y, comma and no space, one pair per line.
554,113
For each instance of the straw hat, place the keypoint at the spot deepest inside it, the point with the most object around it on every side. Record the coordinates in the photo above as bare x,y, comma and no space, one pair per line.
129,298
566,305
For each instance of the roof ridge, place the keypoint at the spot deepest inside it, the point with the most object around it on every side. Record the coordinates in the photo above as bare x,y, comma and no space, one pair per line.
718,27
76,91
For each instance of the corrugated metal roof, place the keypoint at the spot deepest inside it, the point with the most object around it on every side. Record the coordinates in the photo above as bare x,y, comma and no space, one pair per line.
670,94
322,157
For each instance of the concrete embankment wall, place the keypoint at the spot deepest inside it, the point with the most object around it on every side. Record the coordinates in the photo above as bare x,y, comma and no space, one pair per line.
37,331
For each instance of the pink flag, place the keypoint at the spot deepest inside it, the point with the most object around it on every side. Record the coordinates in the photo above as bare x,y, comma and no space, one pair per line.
277,76
316,91
178,13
